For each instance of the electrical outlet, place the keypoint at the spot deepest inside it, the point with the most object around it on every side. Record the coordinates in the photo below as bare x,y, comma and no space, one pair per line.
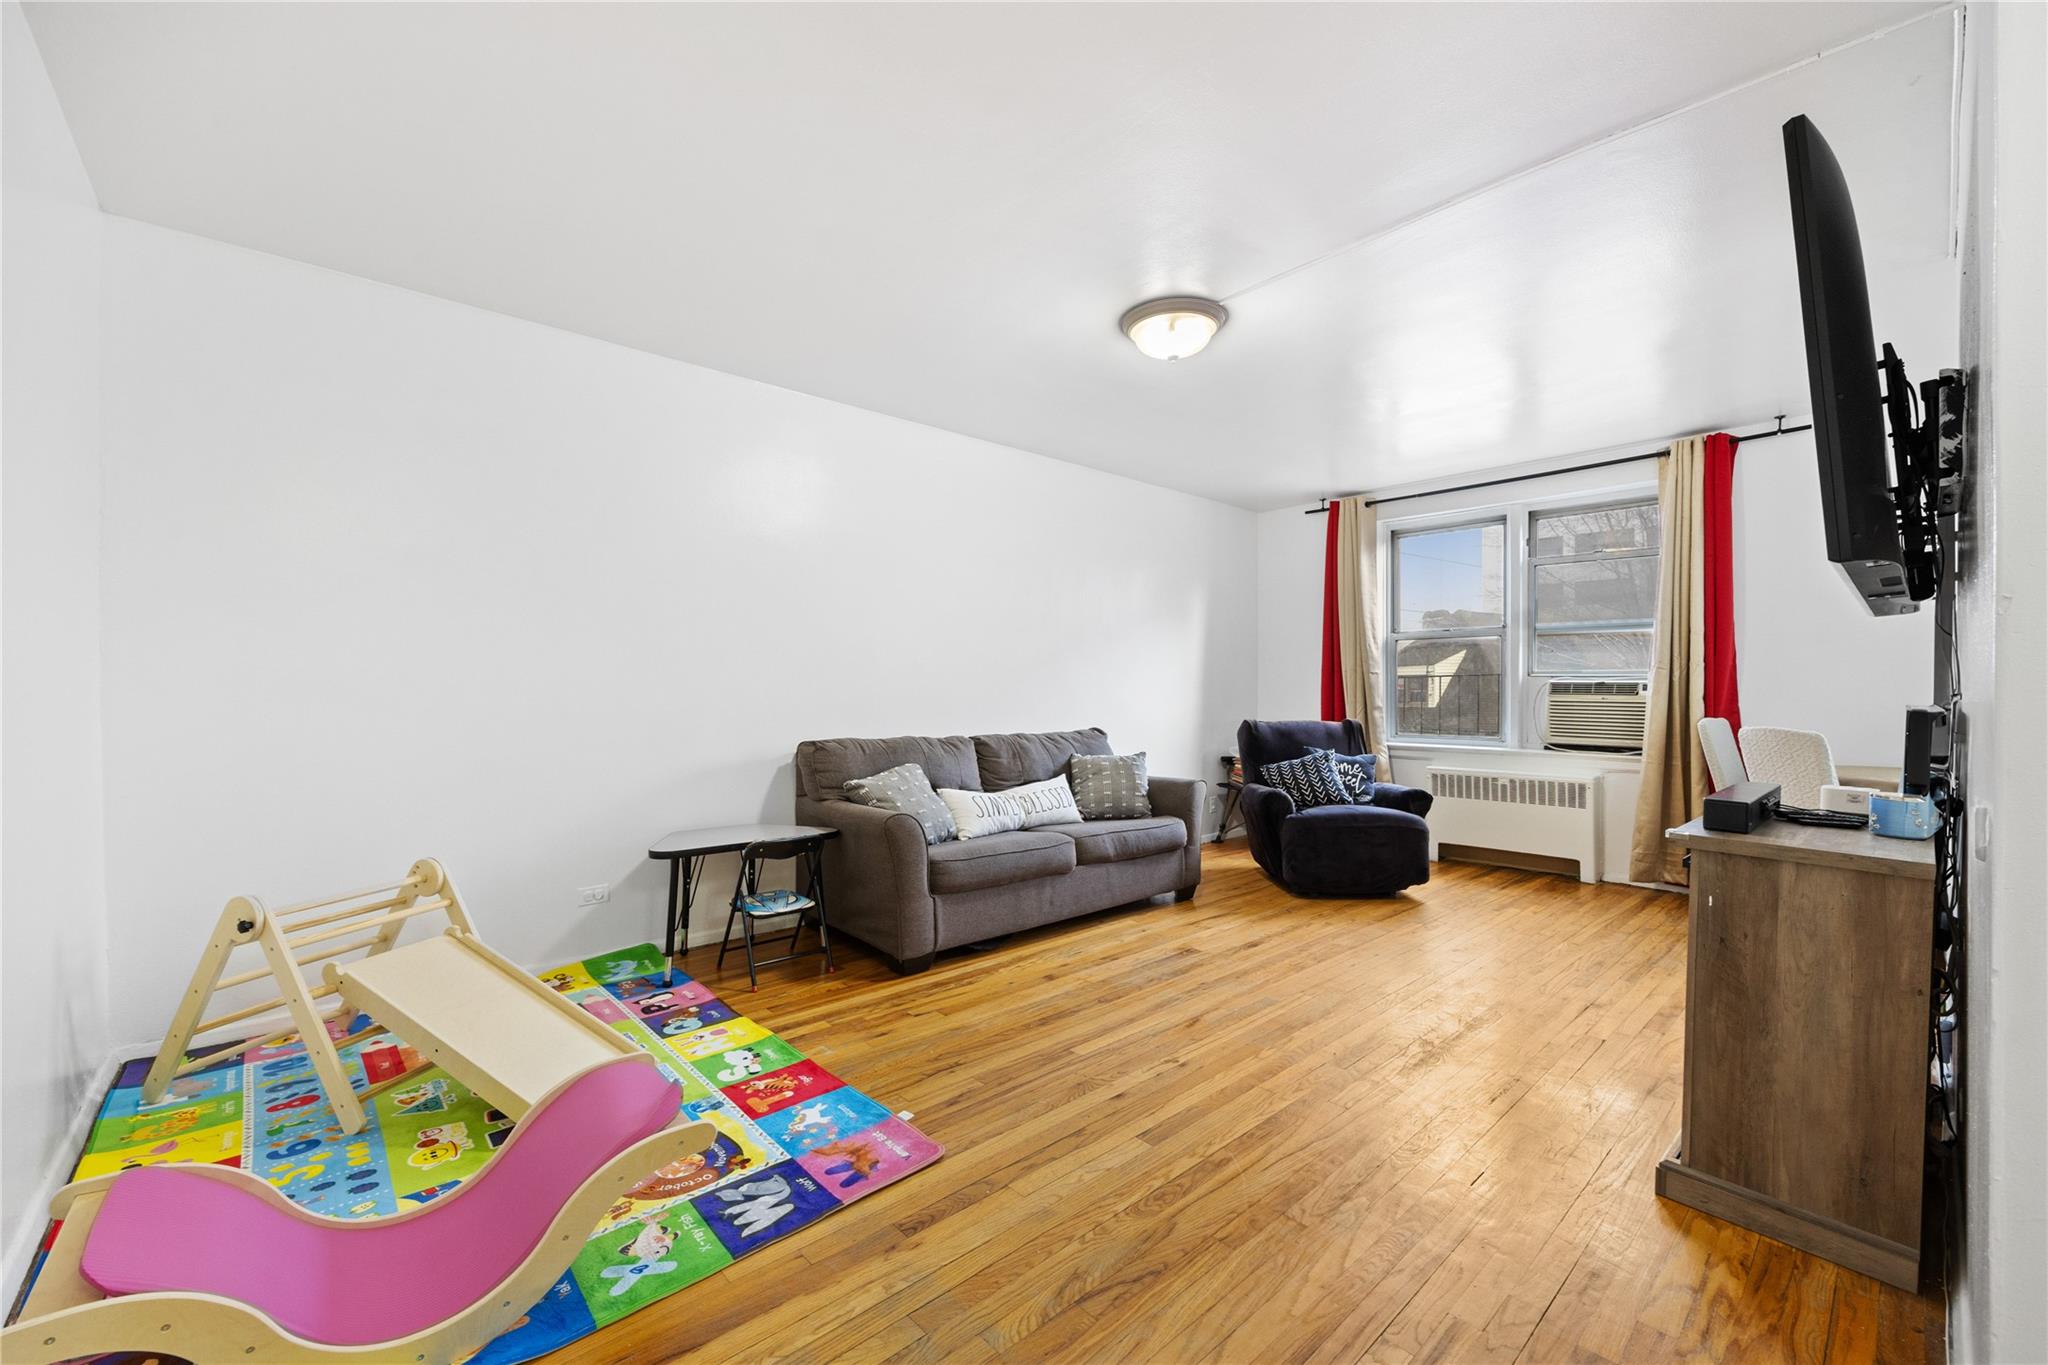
594,895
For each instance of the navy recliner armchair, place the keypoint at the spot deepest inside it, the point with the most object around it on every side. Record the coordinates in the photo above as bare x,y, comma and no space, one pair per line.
1373,850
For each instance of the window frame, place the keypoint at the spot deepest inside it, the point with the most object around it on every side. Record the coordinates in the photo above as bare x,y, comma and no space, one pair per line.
1396,636
1531,561
1522,687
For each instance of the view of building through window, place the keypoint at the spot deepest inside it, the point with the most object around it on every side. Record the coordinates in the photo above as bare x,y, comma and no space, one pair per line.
1450,617
1593,589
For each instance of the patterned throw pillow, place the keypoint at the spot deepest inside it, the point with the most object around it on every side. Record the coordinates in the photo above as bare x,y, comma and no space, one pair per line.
1050,802
1358,772
1110,786
980,813
905,788
1309,781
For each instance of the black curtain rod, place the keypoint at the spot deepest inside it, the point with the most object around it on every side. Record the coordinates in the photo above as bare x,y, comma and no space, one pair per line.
1780,430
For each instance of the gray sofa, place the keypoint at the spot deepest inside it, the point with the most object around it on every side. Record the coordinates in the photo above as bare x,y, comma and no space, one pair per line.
885,886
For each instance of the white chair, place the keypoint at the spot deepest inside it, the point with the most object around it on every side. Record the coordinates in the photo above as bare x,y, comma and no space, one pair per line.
1798,761
1724,760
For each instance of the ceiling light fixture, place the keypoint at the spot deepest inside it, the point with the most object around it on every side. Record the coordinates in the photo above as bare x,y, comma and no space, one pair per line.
1173,329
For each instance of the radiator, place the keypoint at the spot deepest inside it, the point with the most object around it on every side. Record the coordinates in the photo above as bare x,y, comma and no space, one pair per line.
1556,815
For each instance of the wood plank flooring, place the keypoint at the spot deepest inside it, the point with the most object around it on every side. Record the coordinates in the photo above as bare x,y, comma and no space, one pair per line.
1254,1128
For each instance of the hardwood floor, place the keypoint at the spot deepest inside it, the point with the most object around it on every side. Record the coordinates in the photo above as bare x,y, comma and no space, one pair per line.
1254,1128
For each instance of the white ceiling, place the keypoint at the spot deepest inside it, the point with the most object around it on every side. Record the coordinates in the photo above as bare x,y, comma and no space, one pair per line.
939,211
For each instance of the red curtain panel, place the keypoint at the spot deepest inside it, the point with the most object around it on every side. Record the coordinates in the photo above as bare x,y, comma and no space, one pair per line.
1717,515
1333,664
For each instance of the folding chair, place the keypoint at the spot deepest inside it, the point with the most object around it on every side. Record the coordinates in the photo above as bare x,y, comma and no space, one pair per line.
751,903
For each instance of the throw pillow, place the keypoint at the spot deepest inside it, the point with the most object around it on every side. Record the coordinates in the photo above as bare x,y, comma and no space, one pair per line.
1110,786
1358,772
905,788
1050,802
1309,781
980,813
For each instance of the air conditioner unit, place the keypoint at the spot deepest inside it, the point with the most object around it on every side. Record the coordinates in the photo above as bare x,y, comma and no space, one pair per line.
1596,713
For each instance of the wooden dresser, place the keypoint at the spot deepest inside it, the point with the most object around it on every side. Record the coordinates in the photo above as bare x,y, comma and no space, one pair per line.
1808,984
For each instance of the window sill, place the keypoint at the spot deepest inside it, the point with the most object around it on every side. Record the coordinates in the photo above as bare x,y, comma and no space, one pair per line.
1426,750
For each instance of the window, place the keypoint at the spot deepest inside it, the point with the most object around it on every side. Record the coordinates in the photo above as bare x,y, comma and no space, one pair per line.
1592,589
1449,637
1484,610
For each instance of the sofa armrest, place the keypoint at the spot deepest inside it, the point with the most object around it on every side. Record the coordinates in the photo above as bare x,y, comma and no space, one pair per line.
877,876
1268,805
1264,809
1181,797
1414,800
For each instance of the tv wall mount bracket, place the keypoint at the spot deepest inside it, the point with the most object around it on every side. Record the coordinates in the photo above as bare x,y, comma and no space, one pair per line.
1928,462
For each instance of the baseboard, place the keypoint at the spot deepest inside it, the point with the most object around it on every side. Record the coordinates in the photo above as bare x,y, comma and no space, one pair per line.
697,938
1509,858
20,1252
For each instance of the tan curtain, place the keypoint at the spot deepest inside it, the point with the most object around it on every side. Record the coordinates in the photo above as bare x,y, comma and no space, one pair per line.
1362,624
1674,769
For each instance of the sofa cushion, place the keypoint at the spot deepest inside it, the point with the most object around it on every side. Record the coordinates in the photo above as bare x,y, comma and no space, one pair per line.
824,766
905,788
1110,786
980,814
999,859
1050,802
1309,781
1007,761
1358,772
1114,841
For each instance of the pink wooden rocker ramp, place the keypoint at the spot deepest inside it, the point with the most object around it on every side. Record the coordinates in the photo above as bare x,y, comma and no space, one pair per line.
213,1264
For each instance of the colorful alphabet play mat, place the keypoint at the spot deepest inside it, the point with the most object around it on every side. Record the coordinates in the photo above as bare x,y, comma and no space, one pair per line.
795,1142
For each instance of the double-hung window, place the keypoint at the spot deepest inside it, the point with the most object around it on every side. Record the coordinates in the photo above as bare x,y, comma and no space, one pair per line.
1592,589
1448,643
1484,610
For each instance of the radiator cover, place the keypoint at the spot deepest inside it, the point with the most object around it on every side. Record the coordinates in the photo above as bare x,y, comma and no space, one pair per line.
1556,815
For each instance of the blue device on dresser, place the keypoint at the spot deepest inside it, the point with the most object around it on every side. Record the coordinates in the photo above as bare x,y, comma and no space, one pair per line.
1898,816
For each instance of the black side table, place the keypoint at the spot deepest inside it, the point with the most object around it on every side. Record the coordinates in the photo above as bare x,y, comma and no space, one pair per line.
1233,793
685,852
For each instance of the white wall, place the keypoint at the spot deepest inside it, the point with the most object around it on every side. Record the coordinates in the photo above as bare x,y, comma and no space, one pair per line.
1291,550
53,932
1809,655
389,576
1998,1310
